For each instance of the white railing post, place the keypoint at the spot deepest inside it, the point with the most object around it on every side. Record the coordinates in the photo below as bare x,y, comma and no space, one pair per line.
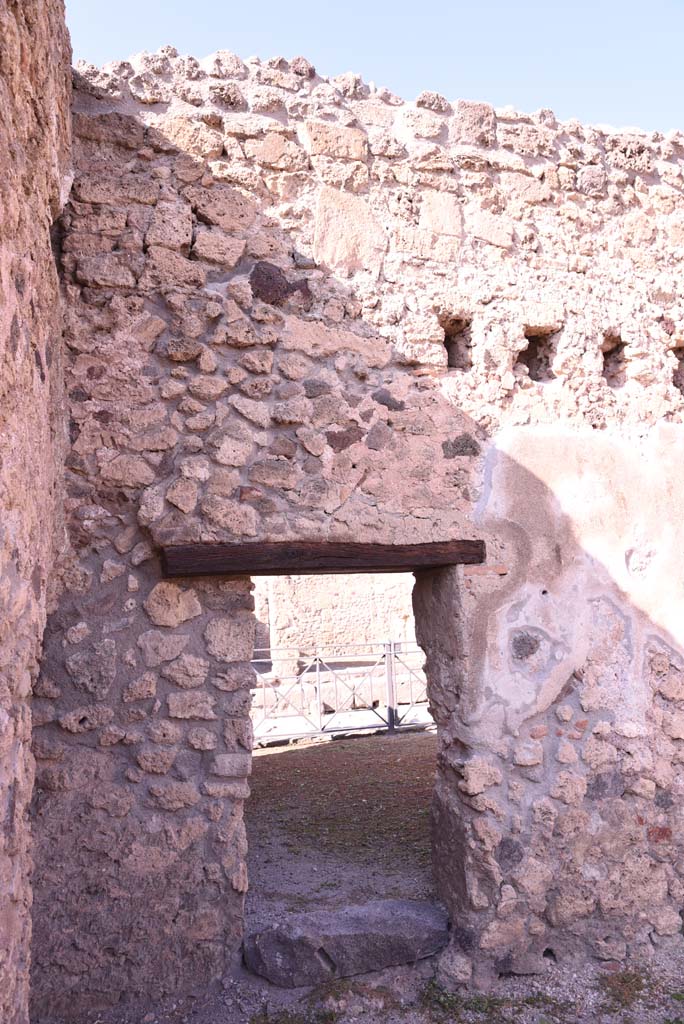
391,690
319,702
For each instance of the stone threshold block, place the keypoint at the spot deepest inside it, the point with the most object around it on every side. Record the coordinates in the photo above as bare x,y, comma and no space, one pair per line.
309,949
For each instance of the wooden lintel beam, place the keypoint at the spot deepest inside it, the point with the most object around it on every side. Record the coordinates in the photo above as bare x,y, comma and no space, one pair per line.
288,559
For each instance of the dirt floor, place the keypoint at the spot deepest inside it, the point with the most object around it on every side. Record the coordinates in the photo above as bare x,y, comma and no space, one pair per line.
339,822
348,820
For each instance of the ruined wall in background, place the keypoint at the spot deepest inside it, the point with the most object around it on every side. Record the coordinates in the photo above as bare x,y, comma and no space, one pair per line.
303,309
333,612
34,154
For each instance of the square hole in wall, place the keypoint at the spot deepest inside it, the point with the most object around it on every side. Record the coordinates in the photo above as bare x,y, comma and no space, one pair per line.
678,375
457,342
539,354
614,360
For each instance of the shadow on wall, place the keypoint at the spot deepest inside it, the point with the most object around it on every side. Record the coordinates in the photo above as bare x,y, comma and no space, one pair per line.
559,700
209,402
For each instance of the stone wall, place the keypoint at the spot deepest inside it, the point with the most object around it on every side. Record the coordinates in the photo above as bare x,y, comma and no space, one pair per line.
301,308
576,662
206,403
34,129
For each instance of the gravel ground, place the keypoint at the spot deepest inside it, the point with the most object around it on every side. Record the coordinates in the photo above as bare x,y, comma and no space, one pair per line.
567,994
339,822
345,821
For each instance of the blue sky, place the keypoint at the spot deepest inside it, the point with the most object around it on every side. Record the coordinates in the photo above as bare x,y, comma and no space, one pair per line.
603,61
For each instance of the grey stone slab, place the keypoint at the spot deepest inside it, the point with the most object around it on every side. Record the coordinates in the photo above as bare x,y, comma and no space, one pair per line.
308,949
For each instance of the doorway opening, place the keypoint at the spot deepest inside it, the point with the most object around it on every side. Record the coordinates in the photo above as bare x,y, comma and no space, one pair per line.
345,747
341,861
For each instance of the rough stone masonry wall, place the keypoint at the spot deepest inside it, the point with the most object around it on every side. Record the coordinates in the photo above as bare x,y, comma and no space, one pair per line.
206,404
34,141
302,308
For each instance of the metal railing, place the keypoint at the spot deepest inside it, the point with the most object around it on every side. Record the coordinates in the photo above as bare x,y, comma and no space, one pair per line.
340,689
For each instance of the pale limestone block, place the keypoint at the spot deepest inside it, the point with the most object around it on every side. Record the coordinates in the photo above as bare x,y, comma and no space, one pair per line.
171,228
567,753
222,206
528,754
569,788
322,138
190,704
508,933
207,388
187,671
167,270
237,519
418,122
479,774
141,689
193,136
215,246
105,271
674,725
156,760
168,604
202,739
317,340
496,229
231,639
126,471
224,64
157,647
473,123
348,236
276,152
256,412
174,796
183,494
232,765
148,88
441,213
232,452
